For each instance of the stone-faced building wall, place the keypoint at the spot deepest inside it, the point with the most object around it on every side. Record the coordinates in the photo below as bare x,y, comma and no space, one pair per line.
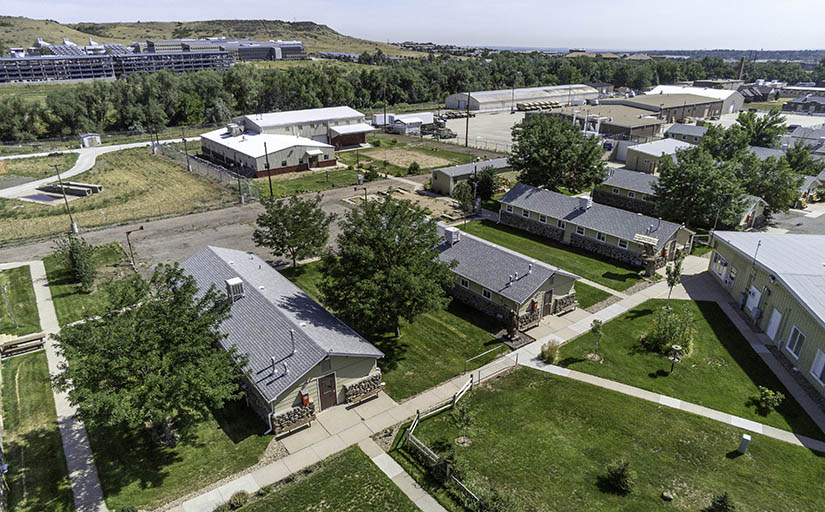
603,196
547,230
478,302
611,251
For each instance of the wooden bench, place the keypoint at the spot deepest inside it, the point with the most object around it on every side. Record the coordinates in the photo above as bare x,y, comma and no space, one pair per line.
369,394
23,344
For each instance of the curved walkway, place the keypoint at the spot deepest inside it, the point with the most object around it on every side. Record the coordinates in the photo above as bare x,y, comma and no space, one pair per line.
86,160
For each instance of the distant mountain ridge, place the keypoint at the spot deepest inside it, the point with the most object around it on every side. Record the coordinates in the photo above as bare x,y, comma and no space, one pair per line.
22,32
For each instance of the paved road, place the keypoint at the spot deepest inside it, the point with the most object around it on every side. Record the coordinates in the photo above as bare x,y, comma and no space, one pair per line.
85,161
175,239
810,221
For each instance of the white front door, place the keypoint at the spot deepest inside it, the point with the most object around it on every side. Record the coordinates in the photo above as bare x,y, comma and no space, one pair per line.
753,298
773,324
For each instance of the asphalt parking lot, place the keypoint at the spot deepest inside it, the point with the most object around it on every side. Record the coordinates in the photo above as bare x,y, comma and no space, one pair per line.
810,221
489,130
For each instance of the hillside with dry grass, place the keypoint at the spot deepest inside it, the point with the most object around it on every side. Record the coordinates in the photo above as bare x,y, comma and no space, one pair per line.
22,32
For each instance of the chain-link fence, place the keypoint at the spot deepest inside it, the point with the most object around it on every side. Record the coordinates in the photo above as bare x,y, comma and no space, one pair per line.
249,189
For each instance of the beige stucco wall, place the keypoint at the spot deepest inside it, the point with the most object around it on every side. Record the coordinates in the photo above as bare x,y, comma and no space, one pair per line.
347,371
440,183
636,161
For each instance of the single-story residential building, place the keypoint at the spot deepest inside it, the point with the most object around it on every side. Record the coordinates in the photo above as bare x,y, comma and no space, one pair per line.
673,108
765,153
686,132
778,280
625,236
338,126
634,191
299,355
805,105
628,190
732,99
444,179
807,189
255,154
758,92
504,284
506,99
613,120
646,157
754,213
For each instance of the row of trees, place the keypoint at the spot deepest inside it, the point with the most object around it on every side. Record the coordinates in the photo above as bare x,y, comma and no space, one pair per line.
709,184
153,101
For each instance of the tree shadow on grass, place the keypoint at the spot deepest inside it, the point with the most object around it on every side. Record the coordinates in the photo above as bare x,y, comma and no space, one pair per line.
757,371
238,421
37,477
125,456
636,313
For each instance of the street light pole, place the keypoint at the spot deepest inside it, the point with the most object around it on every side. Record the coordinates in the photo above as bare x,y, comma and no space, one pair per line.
185,149
268,170
66,200
365,192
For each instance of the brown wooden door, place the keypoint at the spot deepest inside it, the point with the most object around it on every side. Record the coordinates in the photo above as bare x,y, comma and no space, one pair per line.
547,308
328,391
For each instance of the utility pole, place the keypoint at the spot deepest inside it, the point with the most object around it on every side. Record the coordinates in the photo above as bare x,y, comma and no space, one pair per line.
268,170
467,124
129,243
73,226
385,108
365,192
8,302
185,149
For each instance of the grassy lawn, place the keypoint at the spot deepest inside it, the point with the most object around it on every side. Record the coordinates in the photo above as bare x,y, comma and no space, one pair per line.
18,282
586,264
701,249
136,184
545,441
347,482
722,373
70,303
430,350
766,105
400,155
135,470
588,295
310,182
41,166
37,478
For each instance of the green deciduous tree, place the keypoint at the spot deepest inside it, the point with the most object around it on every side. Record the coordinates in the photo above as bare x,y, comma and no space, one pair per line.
295,227
79,257
463,193
771,179
156,364
552,153
487,182
721,503
762,131
801,160
674,276
693,190
597,332
385,267
725,144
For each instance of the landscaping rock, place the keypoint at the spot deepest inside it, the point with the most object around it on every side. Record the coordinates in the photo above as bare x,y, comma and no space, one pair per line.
362,387
285,421
667,496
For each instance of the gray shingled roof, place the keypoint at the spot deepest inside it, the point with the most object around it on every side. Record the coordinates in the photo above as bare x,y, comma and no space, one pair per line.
261,321
765,153
687,129
807,181
612,221
491,266
467,169
798,261
641,182
804,132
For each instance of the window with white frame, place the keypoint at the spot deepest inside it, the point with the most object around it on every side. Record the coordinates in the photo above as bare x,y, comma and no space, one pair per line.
622,244
579,230
542,219
615,190
795,342
601,237
510,208
560,224
818,368
486,294
631,195
465,283
525,213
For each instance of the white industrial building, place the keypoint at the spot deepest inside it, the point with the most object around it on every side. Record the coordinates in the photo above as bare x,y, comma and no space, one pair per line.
338,126
260,154
732,100
506,99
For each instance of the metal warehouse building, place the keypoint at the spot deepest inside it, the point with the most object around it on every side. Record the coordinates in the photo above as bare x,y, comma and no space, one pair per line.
339,126
506,99
260,154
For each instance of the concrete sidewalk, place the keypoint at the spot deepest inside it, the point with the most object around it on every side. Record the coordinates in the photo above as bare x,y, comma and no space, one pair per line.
400,477
86,490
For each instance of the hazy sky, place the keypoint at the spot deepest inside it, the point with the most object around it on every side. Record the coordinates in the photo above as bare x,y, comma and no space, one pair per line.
615,24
